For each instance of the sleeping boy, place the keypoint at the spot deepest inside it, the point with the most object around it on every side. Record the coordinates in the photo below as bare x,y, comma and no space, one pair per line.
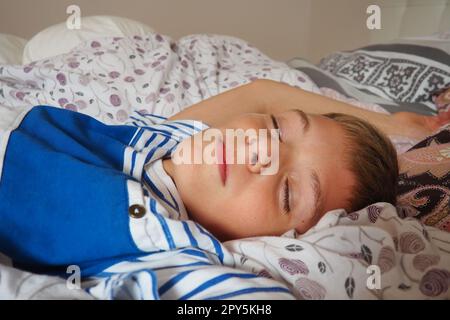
76,191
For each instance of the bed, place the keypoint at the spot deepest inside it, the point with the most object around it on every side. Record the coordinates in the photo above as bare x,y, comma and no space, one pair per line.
379,252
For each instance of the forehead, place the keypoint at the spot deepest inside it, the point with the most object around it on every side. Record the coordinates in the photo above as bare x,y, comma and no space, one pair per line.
322,149
323,136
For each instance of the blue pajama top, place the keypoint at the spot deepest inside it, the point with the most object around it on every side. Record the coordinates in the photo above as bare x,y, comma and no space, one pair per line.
74,191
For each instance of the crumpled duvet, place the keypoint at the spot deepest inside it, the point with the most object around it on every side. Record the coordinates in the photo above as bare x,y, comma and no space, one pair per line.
110,78
368,254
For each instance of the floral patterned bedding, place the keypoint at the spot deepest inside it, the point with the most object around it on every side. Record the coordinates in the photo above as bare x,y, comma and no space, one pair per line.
368,254
424,181
111,78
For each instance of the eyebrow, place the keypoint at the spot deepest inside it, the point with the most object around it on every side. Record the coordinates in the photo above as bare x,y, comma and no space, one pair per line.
317,191
304,119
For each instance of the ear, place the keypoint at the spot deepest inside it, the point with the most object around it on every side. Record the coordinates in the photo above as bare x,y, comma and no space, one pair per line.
444,117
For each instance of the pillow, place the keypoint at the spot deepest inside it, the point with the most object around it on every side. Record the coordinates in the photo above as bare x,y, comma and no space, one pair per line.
58,39
424,181
406,74
11,49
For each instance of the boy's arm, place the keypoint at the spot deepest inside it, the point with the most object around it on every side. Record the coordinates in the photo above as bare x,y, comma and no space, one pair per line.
267,96
221,108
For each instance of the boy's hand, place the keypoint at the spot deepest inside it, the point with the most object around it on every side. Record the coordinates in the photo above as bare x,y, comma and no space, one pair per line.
418,126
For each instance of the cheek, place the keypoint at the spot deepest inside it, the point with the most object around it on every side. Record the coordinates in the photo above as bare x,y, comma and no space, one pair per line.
304,222
251,203
199,181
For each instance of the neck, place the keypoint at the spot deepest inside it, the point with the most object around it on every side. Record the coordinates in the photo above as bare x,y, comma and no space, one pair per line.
168,167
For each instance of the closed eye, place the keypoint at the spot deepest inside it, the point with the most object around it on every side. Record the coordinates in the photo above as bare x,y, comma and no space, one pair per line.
286,205
276,126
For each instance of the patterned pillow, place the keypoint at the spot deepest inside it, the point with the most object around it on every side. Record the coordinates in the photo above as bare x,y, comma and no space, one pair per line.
403,73
424,182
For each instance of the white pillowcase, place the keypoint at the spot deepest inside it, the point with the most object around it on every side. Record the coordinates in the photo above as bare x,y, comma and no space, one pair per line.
58,39
11,49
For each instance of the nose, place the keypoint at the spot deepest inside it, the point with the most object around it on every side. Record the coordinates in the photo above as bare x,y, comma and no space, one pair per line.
257,157
257,164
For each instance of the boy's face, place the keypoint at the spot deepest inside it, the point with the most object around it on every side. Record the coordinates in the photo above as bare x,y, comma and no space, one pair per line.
311,178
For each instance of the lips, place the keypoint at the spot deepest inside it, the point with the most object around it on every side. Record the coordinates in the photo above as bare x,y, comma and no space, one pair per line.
222,163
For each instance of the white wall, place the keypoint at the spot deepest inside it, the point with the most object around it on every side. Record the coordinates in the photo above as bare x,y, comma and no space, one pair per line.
282,29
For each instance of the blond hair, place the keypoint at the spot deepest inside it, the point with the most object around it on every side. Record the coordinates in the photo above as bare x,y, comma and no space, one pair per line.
371,156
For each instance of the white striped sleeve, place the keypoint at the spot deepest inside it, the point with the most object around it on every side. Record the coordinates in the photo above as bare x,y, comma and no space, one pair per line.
182,275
